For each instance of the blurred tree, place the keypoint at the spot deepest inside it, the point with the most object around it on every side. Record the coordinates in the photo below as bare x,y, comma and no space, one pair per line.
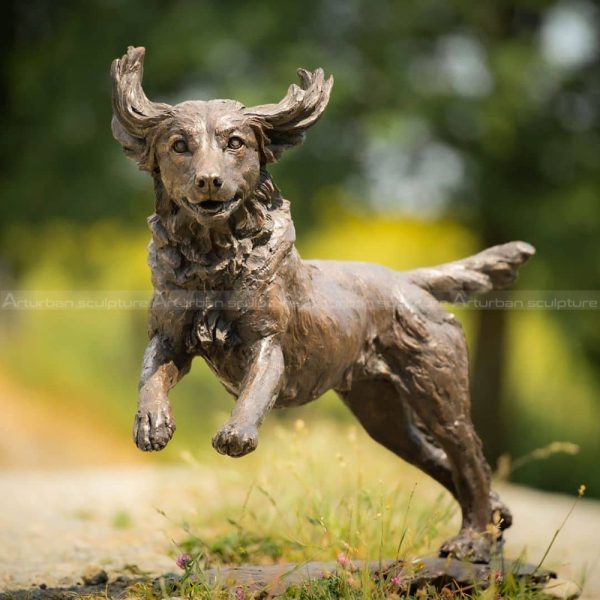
486,112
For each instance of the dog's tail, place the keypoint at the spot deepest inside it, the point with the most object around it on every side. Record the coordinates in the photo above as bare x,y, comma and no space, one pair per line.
493,269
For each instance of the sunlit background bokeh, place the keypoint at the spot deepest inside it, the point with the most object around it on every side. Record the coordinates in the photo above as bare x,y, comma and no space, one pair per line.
452,126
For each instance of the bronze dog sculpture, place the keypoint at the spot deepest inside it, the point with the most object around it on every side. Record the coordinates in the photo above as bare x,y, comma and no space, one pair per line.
282,331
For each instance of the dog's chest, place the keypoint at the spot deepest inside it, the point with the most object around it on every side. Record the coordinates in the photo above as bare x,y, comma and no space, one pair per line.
219,291
186,268
215,336
218,317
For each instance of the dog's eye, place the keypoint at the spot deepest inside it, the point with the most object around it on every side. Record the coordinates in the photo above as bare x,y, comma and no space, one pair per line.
180,146
235,143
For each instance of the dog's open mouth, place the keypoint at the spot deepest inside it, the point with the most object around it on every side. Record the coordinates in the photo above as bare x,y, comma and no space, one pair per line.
213,206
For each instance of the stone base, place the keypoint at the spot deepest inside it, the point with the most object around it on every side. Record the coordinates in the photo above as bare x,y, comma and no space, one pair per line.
408,576
273,580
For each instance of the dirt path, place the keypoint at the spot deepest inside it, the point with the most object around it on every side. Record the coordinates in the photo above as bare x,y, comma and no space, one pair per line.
55,526
58,525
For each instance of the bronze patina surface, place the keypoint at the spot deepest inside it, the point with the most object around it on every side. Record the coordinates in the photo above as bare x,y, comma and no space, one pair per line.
280,331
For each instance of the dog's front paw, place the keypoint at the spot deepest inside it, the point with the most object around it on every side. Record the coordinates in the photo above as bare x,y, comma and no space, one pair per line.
153,427
236,440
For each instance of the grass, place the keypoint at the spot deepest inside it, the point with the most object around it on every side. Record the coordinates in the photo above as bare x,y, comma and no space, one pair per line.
322,494
316,508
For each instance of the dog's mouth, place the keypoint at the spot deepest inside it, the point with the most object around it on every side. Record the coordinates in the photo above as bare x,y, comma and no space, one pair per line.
213,207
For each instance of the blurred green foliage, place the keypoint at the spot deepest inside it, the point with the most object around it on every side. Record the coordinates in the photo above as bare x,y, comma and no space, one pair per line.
475,122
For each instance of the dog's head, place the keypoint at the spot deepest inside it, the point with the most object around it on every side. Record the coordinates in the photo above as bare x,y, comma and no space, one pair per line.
209,155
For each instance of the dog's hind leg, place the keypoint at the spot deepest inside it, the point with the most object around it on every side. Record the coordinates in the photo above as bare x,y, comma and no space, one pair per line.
162,368
433,377
389,420
378,406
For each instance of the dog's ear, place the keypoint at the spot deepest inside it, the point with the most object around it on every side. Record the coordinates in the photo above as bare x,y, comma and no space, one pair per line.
134,116
283,125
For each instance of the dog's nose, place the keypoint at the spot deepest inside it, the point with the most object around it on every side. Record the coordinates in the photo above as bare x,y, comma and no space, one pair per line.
209,182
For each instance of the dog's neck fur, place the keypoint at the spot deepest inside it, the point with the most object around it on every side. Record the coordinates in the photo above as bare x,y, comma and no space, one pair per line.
202,257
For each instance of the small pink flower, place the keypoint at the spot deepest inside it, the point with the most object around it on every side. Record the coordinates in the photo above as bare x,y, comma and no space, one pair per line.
350,580
498,576
395,580
239,594
183,560
343,560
